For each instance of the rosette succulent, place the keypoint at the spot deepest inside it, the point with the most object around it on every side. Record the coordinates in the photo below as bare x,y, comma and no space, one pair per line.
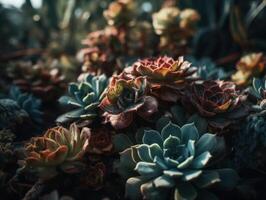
249,66
218,101
58,147
85,97
166,75
175,164
28,103
126,96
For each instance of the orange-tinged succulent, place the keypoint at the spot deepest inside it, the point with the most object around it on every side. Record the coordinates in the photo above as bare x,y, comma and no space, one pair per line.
249,66
57,147
166,75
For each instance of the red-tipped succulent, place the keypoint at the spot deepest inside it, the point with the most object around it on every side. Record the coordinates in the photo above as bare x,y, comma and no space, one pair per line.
125,96
167,76
218,101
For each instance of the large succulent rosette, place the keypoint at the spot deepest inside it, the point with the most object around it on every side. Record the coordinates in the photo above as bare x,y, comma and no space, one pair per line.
125,97
59,147
167,76
175,164
217,101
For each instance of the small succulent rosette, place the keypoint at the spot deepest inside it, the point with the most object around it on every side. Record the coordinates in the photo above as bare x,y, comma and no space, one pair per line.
176,163
125,97
166,76
58,148
217,101
84,97
249,66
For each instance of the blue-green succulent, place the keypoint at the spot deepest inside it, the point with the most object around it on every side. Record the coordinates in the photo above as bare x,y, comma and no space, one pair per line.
17,107
28,103
84,97
207,69
175,163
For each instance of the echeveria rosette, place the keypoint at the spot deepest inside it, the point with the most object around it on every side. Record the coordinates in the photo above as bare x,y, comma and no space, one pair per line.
85,96
166,75
58,147
175,164
125,96
217,101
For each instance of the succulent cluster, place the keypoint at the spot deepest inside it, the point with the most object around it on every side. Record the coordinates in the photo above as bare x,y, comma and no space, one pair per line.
175,162
46,83
164,100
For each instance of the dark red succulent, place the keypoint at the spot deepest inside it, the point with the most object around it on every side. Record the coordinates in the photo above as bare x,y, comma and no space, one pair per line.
125,96
219,101
101,141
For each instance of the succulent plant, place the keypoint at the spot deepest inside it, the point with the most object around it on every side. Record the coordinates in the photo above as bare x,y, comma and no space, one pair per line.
100,141
249,66
171,20
126,96
42,81
217,101
58,147
175,164
166,75
207,69
102,48
85,96
174,27
258,89
28,103
120,12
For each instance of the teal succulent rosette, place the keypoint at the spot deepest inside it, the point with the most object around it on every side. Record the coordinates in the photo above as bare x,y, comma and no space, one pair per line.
175,163
84,97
